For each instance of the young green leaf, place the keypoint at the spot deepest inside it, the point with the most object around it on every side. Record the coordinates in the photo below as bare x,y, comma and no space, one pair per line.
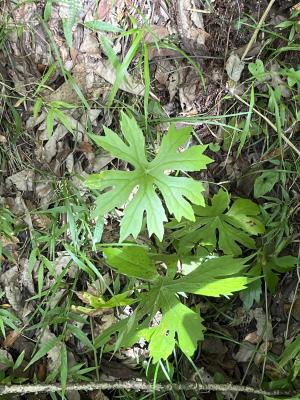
148,176
97,302
271,266
257,69
213,227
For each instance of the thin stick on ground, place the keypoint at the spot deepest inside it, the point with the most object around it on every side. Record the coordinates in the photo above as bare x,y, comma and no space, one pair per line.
140,386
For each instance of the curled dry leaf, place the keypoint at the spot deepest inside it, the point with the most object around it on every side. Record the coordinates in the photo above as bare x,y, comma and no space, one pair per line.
11,339
23,180
190,25
263,325
9,280
245,352
234,67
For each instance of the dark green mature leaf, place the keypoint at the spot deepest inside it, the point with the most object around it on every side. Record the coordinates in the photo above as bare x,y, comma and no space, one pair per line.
292,350
179,324
147,177
271,266
265,183
217,228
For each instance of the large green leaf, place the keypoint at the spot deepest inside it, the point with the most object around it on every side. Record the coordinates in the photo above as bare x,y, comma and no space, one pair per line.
217,228
131,261
178,324
147,178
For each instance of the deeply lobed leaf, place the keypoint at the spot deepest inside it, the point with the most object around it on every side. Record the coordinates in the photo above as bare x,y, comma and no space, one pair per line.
147,178
215,227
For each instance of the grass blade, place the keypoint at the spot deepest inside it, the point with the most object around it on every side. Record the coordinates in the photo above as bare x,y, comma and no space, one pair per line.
43,351
63,369
122,69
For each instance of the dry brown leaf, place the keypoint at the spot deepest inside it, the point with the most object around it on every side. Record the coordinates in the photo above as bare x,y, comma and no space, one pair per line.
10,339
86,147
3,139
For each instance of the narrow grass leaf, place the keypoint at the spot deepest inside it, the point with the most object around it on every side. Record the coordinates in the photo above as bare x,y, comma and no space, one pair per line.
44,79
98,231
67,27
40,279
63,369
109,51
47,10
80,336
122,69
98,25
246,129
43,351
32,259
19,360
50,122
37,107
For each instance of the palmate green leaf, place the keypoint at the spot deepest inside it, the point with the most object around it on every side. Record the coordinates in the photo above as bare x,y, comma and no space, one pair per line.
179,324
147,178
217,228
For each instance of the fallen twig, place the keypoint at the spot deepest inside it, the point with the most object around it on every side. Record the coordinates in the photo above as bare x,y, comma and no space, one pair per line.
139,385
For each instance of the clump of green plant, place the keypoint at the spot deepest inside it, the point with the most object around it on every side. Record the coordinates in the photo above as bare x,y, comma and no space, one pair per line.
164,293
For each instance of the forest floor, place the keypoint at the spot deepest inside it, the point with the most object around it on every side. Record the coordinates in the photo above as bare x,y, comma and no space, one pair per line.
183,270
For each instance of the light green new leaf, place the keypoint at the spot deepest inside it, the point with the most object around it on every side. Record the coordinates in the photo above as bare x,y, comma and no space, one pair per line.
216,227
148,177
121,299
178,322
